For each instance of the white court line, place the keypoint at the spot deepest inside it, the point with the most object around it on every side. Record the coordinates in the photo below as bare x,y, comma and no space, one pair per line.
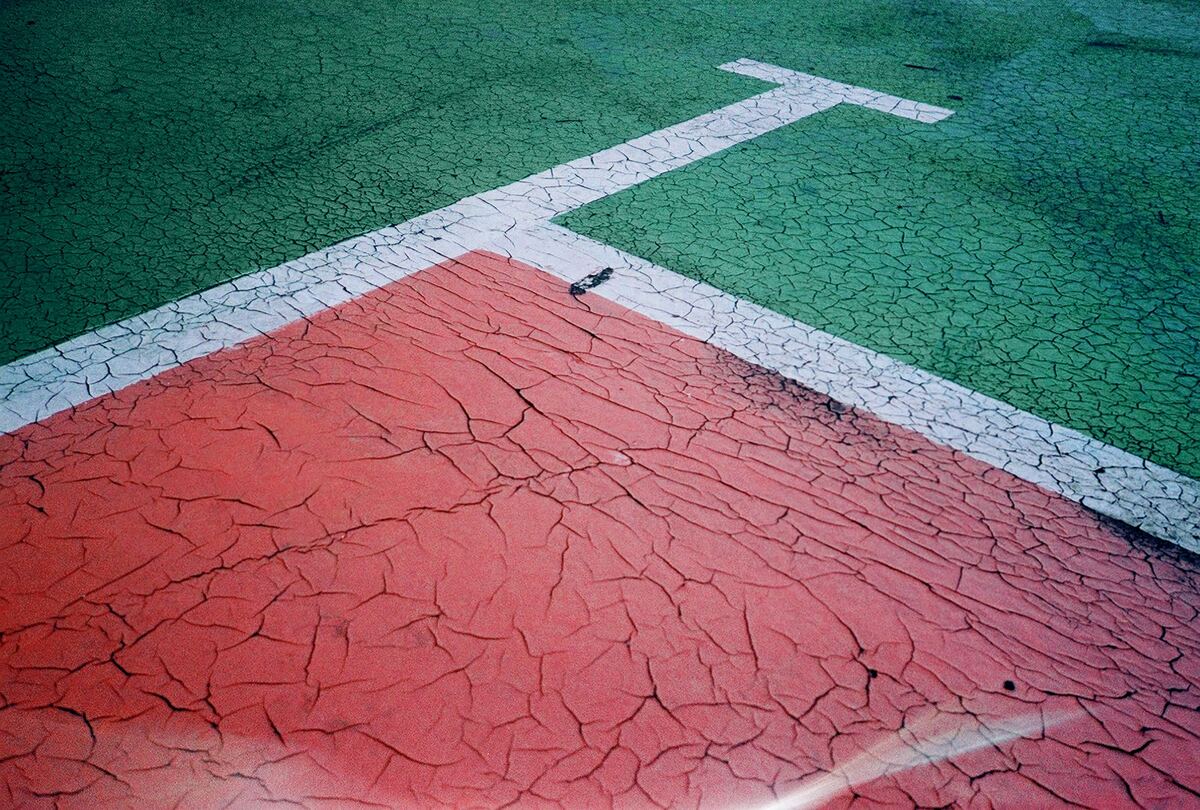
514,219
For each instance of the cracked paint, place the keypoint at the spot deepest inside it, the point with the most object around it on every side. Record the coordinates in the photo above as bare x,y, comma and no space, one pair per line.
1072,294
514,220
472,540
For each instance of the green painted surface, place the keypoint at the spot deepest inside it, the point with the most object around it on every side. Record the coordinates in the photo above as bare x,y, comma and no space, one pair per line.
151,150
1042,246
1039,246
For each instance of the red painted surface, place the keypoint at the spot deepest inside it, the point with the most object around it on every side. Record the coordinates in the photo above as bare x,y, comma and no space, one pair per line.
469,540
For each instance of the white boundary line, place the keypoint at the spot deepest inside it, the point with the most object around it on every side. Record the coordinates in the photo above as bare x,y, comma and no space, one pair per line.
514,220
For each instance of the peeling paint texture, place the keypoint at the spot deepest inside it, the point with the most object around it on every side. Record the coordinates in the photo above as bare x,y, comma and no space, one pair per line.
472,540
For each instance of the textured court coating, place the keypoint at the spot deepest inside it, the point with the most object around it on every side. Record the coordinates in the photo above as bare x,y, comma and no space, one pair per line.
1041,247
471,539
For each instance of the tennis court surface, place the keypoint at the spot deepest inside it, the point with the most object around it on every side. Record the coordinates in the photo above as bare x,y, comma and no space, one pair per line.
739,406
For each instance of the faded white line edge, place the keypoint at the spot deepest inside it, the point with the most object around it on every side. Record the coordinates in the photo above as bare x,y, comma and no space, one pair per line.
514,220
